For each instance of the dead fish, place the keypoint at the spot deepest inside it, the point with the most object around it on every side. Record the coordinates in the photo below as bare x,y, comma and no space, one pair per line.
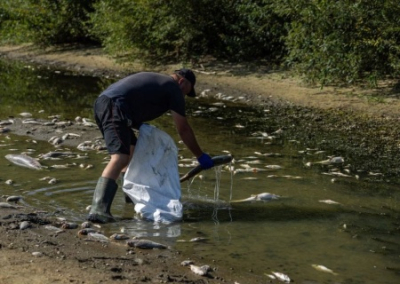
338,174
37,253
85,146
86,225
48,123
55,154
273,167
86,231
31,121
69,226
200,270
55,140
24,161
323,269
24,225
89,124
69,136
66,166
4,129
328,201
25,114
144,244
64,123
14,198
6,122
52,181
265,196
281,277
198,239
187,262
53,228
119,237
331,161
7,205
45,178
94,236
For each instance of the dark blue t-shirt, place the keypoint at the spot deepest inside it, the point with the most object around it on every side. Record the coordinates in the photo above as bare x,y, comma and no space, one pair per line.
145,96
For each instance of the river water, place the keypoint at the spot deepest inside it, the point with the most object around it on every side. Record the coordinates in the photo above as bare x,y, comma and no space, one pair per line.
357,237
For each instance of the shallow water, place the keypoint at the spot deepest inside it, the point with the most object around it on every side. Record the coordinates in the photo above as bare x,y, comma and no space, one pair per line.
358,239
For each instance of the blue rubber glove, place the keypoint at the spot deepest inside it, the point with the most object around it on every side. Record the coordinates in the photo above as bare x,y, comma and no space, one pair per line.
205,161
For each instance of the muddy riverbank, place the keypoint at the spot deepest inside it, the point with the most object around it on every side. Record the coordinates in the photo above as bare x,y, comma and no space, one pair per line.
256,83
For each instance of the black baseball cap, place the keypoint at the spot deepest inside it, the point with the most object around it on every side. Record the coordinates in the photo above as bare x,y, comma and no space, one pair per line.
188,75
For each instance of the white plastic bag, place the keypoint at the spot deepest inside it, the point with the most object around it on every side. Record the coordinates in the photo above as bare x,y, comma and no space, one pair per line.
152,178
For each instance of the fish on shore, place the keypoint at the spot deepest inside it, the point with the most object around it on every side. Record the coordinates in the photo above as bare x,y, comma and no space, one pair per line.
24,161
145,244
200,270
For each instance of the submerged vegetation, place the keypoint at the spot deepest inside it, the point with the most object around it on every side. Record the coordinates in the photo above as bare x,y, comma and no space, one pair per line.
324,41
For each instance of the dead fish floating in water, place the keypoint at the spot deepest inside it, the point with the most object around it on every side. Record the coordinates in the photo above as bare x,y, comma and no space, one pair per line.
329,201
330,161
25,114
280,276
323,269
24,161
265,196
145,244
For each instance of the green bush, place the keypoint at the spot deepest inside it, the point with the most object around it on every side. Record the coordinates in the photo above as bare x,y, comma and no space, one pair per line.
331,41
46,22
239,30
13,24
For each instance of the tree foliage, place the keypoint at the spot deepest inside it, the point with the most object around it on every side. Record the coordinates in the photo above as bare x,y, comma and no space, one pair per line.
343,40
49,22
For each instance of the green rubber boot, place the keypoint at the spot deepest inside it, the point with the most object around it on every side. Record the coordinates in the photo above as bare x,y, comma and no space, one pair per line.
127,198
102,199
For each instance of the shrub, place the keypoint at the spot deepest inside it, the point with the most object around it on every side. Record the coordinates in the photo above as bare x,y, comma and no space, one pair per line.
332,41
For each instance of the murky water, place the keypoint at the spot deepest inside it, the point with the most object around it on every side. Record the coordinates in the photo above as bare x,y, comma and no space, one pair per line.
358,238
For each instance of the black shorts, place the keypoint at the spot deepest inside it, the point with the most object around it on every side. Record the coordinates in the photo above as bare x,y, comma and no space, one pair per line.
114,126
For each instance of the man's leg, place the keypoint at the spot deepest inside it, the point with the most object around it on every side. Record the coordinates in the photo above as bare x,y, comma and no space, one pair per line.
118,136
106,189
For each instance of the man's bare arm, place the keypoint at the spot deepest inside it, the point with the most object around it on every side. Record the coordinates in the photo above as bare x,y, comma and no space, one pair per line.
186,133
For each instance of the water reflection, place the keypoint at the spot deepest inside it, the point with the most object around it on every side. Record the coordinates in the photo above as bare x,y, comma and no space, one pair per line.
141,228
